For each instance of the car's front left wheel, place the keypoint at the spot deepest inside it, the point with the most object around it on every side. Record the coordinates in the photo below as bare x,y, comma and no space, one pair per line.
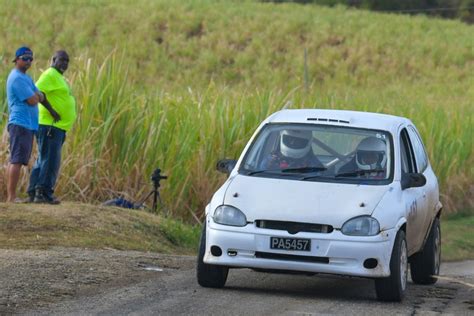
393,287
209,275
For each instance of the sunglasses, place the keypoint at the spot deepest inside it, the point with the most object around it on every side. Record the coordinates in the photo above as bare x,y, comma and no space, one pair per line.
26,58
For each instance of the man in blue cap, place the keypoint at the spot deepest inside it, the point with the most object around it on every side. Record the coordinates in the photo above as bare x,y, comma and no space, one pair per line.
23,98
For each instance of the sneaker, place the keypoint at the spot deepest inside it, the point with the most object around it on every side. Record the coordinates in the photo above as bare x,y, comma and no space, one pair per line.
41,197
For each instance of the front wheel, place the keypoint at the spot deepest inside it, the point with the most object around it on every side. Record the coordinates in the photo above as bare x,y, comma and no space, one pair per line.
209,275
393,288
424,266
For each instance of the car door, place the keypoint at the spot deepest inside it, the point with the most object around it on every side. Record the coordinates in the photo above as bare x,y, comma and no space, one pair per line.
428,203
413,197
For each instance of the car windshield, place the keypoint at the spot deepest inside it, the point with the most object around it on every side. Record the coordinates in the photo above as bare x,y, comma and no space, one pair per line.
310,152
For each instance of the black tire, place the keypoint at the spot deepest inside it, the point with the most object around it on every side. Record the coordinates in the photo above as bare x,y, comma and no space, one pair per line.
209,275
424,265
393,287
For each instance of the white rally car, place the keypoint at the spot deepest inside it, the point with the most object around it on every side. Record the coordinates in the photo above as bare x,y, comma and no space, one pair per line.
327,191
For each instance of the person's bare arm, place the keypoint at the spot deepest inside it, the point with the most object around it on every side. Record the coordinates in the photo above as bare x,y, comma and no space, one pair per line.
44,101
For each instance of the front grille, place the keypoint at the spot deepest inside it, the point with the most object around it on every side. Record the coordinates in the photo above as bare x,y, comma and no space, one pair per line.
295,227
278,256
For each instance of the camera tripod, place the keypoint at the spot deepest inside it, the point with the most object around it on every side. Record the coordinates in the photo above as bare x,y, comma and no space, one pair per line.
156,177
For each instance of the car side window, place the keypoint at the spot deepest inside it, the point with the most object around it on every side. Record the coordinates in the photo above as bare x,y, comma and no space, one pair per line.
407,157
418,148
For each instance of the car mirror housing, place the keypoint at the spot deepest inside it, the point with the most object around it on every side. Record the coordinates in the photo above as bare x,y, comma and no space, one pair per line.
412,180
226,165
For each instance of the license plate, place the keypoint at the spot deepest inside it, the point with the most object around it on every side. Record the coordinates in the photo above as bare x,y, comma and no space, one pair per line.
290,243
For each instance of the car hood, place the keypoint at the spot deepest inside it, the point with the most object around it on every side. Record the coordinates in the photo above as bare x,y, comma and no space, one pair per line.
333,204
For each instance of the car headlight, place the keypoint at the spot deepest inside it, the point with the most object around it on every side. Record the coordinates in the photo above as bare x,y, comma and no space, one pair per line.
229,215
361,226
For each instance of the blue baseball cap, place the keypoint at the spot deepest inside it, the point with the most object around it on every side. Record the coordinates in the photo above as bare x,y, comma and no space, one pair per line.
22,51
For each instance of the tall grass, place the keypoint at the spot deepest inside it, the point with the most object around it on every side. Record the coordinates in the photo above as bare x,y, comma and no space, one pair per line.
181,84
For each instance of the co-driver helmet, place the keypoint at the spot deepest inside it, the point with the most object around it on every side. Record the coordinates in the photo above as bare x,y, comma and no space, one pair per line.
371,153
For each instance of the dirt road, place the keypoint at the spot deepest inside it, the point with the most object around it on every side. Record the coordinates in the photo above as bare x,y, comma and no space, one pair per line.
76,281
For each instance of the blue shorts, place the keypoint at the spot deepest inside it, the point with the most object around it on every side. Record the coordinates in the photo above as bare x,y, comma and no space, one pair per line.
21,144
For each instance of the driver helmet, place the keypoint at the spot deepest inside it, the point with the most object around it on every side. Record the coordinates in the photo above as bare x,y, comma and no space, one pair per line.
370,153
295,143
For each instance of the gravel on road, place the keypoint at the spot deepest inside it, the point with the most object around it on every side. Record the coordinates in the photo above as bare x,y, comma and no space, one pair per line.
76,281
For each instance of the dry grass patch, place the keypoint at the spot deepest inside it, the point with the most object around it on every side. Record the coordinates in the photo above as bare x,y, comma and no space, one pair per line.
78,225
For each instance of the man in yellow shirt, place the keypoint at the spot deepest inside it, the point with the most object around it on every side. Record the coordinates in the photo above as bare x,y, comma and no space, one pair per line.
52,131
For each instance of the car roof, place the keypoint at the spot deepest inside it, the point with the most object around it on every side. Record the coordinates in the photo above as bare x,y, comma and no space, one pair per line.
339,118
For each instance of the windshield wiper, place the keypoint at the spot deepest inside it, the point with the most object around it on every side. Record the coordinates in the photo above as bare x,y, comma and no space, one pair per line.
304,169
316,176
288,170
250,173
358,172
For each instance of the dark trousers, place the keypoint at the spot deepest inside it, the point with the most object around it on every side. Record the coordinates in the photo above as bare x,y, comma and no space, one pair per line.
46,168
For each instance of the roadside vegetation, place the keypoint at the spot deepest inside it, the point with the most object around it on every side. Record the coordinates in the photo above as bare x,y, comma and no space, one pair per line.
457,237
94,227
181,84
31,226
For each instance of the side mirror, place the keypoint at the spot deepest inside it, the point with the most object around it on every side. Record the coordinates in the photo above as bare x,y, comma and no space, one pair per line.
226,165
412,180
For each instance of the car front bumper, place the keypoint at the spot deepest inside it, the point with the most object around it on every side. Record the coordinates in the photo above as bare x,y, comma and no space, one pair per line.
334,253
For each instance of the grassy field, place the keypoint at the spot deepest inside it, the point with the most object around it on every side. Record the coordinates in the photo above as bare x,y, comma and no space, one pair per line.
457,237
181,84
87,226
